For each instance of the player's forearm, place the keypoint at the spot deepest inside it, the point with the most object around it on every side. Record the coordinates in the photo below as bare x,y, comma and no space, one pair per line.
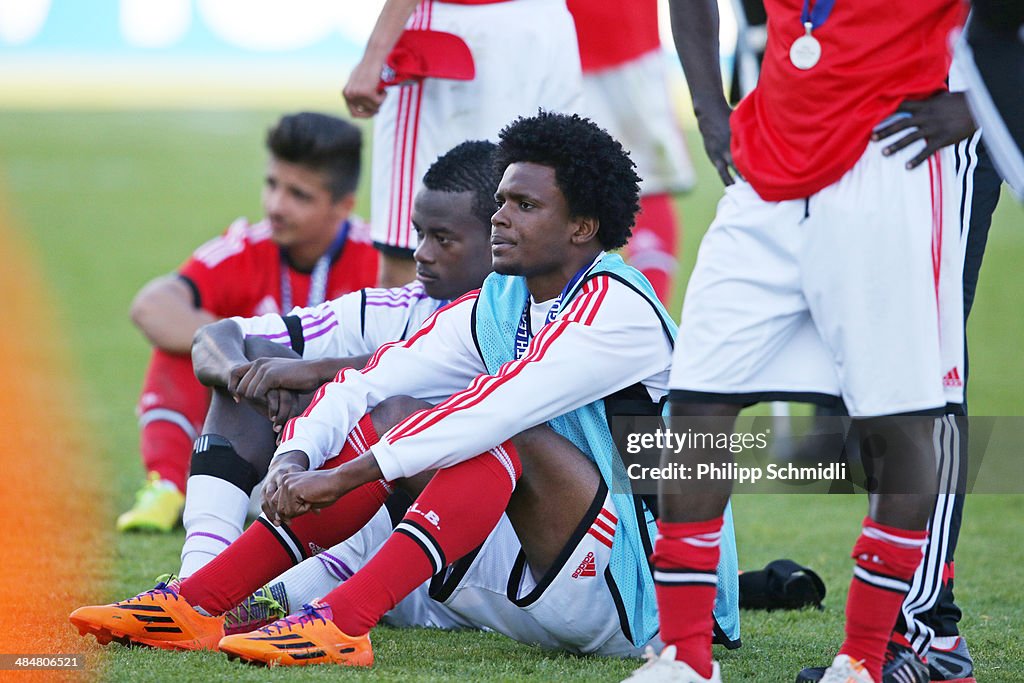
390,24
438,361
164,312
328,368
695,34
216,349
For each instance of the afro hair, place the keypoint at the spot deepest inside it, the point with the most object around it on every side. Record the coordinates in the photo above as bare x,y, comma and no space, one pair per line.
592,170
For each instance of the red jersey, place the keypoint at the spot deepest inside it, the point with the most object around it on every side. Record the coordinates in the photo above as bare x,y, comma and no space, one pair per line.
242,272
612,32
800,131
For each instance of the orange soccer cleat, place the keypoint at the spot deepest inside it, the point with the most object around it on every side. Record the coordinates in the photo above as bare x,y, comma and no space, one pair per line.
158,618
309,637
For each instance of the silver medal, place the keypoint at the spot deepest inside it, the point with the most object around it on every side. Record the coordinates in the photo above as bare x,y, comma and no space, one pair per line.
805,51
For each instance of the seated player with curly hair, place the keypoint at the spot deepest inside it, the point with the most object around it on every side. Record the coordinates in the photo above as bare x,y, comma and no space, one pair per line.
533,364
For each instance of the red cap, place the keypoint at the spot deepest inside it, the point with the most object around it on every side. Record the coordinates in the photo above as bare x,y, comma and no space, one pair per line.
422,53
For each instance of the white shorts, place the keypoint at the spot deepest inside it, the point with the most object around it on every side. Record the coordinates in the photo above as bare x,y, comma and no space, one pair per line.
855,292
572,608
631,101
525,57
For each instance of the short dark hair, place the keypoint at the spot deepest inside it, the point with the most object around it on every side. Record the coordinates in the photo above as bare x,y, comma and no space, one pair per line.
468,167
593,171
323,143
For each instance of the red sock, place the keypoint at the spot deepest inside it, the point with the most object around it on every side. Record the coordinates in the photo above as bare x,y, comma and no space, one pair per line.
256,557
171,412
166,449
886,558
334,524
264,551
459,508
653,248
685,581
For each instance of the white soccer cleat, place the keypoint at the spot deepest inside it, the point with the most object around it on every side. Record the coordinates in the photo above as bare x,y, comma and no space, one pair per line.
846,669
664,668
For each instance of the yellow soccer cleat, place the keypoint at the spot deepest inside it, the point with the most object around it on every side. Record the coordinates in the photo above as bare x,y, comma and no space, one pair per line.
158,618
157,508
309,637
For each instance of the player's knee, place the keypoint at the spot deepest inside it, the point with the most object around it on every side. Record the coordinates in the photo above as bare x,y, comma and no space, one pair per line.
537,439
391,411
214,456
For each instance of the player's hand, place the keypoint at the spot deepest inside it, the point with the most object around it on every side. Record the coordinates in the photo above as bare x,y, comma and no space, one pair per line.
714,129
361,93
283,405
299,492
235,376
940,120
266,374
288,463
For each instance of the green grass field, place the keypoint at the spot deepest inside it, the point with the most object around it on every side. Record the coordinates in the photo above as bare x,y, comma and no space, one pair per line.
109,200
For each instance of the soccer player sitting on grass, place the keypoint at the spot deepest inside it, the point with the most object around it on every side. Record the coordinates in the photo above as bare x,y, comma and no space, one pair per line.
534,363
309,248
264,369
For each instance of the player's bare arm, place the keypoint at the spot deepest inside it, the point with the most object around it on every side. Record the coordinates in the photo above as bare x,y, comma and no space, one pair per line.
695,33
165,312
295,374
361,92
218,355
941,120
282,385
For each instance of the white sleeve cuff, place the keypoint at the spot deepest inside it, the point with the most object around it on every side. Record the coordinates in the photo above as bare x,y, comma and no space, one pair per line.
316,459
390,467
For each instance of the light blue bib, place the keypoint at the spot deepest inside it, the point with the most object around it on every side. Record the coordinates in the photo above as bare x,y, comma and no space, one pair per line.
498,313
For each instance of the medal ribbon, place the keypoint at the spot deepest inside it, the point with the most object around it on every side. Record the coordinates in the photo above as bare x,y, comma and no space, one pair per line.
523,333
318,278
817,16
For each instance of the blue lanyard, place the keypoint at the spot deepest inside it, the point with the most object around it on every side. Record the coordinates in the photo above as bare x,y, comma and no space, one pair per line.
523,333
318,278
817,16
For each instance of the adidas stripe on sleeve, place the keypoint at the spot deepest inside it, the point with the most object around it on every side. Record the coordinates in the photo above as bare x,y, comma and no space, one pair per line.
588,352
437,360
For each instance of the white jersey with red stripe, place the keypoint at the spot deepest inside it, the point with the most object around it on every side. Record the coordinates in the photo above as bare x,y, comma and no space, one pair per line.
352,325
595,336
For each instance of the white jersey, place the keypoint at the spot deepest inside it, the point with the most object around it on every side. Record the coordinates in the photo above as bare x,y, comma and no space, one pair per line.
595,337
352,325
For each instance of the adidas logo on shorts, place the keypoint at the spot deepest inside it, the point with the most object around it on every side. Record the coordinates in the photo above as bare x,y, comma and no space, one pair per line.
952,379
588,567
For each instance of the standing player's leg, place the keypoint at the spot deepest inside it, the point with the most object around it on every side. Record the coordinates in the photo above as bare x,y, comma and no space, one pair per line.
903,249
929,618
747,266
171,411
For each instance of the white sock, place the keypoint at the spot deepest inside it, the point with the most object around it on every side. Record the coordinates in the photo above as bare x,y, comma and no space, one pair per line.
307,581
319,575
213,518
